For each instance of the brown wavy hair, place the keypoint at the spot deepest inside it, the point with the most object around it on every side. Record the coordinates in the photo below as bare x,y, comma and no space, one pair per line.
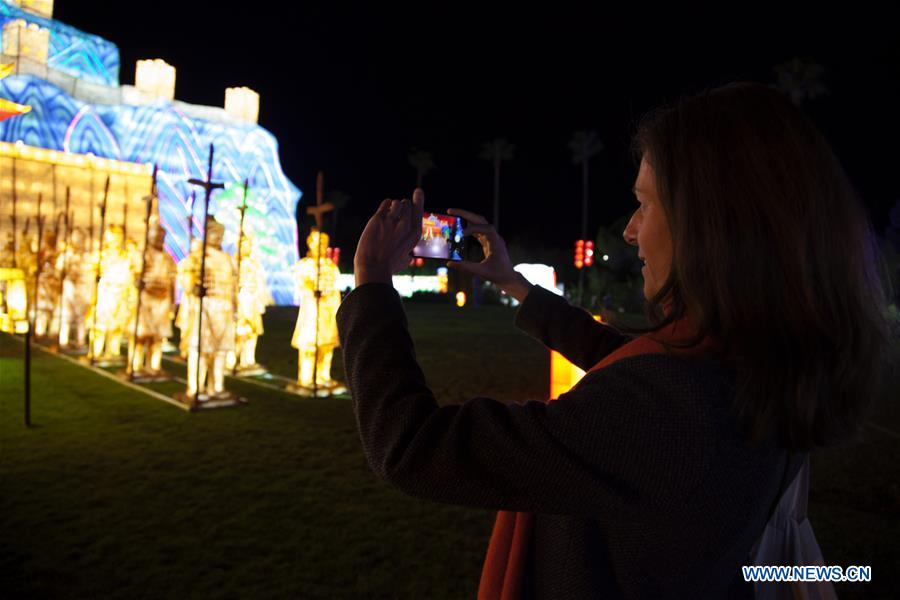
774,256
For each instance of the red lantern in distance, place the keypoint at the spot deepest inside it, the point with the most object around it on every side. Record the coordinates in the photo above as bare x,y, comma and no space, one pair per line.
588,253
579,254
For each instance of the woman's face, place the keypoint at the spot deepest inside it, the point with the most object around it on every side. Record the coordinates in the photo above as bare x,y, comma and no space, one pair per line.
648,229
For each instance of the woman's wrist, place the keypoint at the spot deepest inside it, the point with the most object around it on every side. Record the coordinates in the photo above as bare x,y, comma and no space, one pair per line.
518,288
364,274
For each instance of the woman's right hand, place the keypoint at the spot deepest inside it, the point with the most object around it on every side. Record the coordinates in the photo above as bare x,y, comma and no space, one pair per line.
496,266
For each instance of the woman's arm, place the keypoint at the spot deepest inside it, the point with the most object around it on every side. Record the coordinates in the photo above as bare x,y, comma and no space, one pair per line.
569,330
622,442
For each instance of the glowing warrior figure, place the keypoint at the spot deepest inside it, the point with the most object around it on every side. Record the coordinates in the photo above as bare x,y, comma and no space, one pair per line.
48,287
253,297
27,260
111,314
217,337
78,287
7,251
155,319
306,338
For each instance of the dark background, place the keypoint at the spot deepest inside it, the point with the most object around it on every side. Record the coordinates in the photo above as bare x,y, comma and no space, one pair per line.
349,89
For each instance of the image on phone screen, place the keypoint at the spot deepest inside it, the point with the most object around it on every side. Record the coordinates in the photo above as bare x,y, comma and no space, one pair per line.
442,237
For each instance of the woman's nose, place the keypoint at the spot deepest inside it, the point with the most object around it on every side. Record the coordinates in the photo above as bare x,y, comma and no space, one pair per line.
630,235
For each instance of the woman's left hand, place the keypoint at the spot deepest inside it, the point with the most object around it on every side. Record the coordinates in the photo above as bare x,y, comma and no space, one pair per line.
386,244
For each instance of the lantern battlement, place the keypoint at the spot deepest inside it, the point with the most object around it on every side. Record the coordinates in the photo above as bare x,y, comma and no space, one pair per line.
242,103
155,78
41,8
28,41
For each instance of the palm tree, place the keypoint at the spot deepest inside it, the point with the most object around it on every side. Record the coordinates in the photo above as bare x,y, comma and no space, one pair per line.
422,162
496,151
584,145
801,79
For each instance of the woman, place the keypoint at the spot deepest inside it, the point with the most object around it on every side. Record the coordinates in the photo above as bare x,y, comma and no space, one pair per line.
656,474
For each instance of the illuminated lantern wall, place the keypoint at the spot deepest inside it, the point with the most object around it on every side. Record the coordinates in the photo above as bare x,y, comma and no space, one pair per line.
127,124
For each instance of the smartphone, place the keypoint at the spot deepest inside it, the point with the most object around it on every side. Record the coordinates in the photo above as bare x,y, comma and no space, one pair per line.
442,238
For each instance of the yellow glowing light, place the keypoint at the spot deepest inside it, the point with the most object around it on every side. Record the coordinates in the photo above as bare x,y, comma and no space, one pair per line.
14,319
563,374
460,299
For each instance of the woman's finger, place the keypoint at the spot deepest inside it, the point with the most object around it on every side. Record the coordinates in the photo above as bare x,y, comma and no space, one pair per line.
473,228
415,225
469,216
466,266
394,210
383,207
406,215
418,207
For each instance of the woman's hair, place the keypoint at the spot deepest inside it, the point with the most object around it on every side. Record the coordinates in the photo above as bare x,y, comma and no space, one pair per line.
774,256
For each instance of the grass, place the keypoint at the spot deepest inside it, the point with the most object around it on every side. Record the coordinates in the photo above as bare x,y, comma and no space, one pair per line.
116,495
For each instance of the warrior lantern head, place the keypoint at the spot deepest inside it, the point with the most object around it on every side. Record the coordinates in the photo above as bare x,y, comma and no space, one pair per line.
157,235
78,238
317,241
114,236
215,231
246,247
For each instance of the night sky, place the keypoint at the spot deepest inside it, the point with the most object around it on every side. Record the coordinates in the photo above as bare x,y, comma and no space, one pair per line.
350,89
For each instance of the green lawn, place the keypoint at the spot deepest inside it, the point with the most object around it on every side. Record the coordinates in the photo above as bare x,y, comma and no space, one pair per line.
116,495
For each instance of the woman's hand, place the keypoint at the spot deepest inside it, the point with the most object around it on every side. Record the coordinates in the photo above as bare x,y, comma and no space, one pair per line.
386,244
496,266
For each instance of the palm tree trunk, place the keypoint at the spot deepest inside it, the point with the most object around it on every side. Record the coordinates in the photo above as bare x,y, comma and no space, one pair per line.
584,200
497,195
584,197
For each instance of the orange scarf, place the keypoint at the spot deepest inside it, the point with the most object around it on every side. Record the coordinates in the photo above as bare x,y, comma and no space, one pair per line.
504,566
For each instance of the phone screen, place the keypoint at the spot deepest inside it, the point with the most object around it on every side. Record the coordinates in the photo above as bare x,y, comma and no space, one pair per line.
442,237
